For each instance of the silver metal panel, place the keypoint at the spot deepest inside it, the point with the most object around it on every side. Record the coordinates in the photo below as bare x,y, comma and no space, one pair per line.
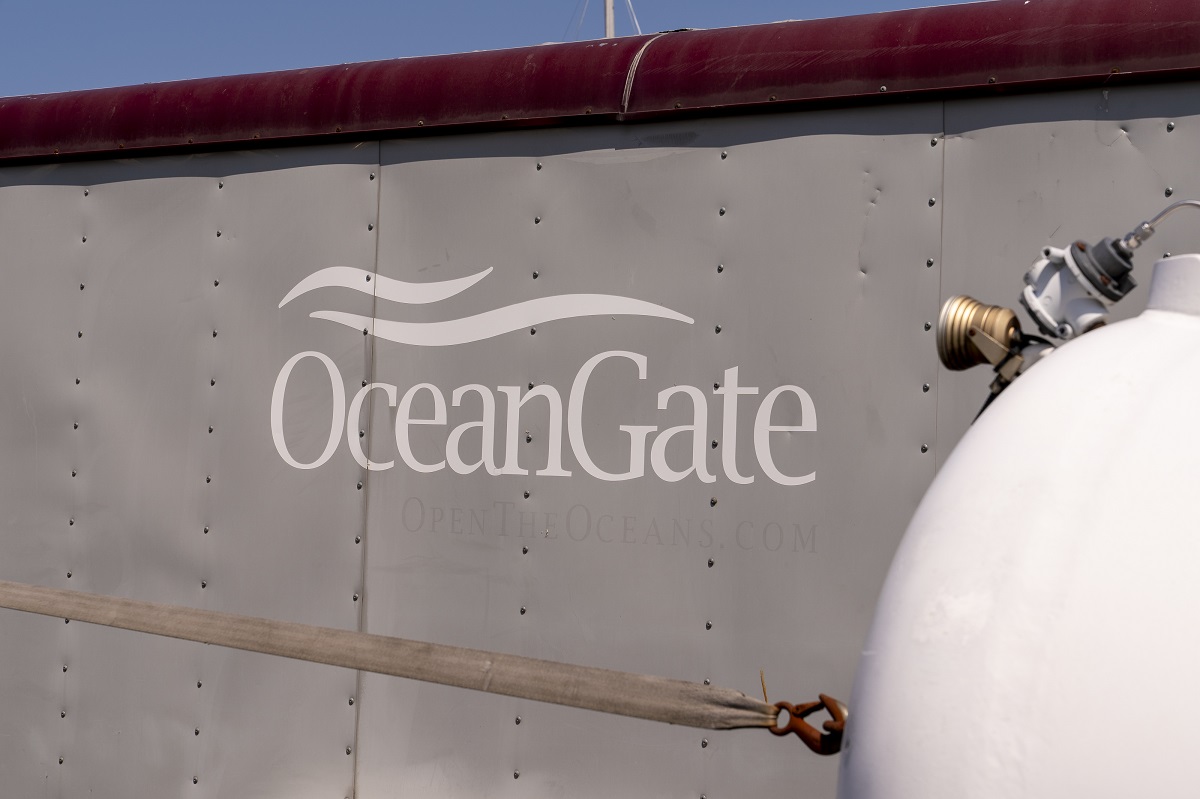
1026,172
822,226
117,276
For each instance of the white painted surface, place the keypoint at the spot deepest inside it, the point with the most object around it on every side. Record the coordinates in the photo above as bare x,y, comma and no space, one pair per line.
1036,635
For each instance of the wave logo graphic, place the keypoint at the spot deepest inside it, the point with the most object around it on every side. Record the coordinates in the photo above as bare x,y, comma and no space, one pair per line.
488,324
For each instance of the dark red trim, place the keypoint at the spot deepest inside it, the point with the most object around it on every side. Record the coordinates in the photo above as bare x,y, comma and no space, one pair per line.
1007,45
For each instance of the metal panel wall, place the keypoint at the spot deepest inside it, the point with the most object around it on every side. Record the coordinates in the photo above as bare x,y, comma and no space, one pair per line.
807,250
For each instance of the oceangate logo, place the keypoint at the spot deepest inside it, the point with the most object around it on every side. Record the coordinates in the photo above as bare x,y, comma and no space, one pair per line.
498,322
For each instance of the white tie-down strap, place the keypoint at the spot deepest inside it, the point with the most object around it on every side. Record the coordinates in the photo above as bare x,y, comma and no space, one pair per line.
640,696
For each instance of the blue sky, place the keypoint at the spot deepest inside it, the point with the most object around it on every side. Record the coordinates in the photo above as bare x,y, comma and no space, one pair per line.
52,47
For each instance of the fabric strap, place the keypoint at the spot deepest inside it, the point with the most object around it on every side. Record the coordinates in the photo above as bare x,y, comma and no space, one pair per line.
637,695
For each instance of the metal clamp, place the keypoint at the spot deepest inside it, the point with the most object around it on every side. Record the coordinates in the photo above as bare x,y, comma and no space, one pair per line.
822,743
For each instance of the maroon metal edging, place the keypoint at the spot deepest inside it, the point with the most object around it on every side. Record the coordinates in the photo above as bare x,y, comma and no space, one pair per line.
1003,46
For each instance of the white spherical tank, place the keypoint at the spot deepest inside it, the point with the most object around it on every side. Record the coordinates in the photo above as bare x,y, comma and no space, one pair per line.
1039,630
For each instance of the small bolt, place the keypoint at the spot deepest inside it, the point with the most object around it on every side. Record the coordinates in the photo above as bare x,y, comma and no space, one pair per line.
216,283
679,105
710,563
347,750
85,192
928,326
370,226
71,523
364,331
214,334
722,211
80,334
518,720
220,184
364,383
707,681
68,575
1169,191
716,386
195,781
212,382
522,610
703,743
533,331
208,478
526,495
925,387
197,731
537,220
358,539
420,123
75,425
771,98
1170,127
218,234
712,503
351,701
883,88
708,625
714,443
66,621
81,287
992,79
360,485
77,381
528,437
924,447
210,428
206,530
199,684
74,473
539,166
531,386
64,669
372,176
362,433
60,761
932,201
1166,255
928,262
204,583
933,142
524,550
84,239
354,598
62,715
717,328
516,775
724,155
720,268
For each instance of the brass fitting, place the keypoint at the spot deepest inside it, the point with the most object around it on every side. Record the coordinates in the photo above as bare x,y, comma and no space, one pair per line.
962,317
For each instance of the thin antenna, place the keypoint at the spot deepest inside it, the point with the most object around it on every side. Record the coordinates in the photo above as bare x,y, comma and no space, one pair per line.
610,26
633,16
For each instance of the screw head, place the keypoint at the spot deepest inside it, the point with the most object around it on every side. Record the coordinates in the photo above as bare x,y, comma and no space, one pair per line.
85,192
68,575
352,701
932,201
197,731
528,438
347,750
522,610
924,447
925,387
717,328
707,681
720,268
714,443
928,326
539,166
933,142
370,226
204,583
355,598
533,331
360,485
537,220
712,502
526,495
518,720
710,563
1170,127
218,234
724,155
703,743
535,275
216,283
524,550
206,529
928,262
372,176
199,684
516,775
883,88
358,539
708,625
722,211
1168,192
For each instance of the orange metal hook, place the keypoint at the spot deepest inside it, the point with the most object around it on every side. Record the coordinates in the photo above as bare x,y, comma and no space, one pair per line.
823,743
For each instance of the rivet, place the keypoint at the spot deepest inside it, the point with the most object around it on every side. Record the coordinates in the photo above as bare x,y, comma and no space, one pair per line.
68,575
524,550
364,383
539,166
528,437
210,428
372,176
60,761
362,433
218,234
85,192
720,268
206,530
66,621
526,495
537,220
1169,191
928,262
220,184
535,275
933,142
354,598
351,701
199,684
714,443
212,382
712,503
64,669
75,426
522,610
216,283
724,155
722,211
678,105
420,123
337,128
932,201
925,388
208,478
992,79
531,386
197,731
1170,127
928,326
73,472
62,715
80,334
703,743
533,331
204,583
1166,255
77,381
710,563
518,720
360,485
707,681
771,98
195,781
924,447
214,334
347,750
83,239
516,775
71,523
81,287
370,226
358,539
708,625
364,331
717,328
883,88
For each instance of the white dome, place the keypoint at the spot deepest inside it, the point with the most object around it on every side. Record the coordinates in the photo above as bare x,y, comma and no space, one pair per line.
1039,630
